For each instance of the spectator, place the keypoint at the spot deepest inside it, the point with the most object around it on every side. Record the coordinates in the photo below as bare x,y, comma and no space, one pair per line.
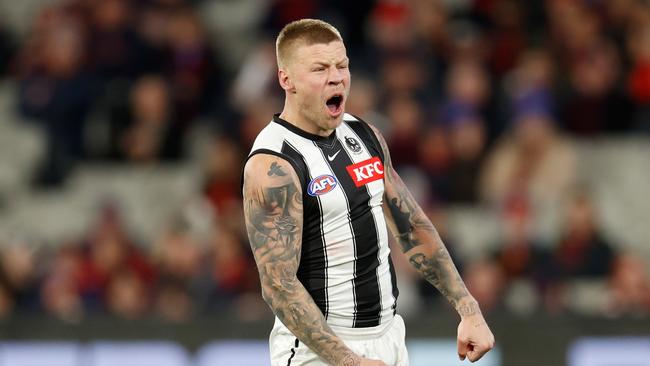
582,250
108,252
113,40
638,82
629,286
533,159
485,280
520,256
127,296
59,294
596,103
18,276
56,91
193,70
150,131
467,139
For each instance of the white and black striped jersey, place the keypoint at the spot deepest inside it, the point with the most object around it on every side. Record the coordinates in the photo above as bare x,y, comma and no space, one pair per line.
345,263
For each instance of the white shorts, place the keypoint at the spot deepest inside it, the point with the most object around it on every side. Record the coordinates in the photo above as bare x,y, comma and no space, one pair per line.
385,342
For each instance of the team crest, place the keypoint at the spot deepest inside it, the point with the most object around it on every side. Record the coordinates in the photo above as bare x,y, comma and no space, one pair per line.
353,144
321,185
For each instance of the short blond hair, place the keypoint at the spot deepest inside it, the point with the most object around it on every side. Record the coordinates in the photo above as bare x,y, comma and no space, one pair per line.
307,31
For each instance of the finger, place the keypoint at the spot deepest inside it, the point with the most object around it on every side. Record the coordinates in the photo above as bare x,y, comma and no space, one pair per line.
463,348
476,354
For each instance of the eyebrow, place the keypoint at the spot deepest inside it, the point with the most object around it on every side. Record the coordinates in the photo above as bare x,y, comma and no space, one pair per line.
321,63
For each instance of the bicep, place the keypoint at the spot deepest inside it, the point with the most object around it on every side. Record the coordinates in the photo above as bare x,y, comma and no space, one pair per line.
273,214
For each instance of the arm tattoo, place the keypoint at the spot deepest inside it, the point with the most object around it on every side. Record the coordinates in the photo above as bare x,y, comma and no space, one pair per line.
273,213
276,169
418,238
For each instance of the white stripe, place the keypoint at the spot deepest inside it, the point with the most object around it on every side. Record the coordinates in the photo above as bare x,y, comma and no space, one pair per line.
271,137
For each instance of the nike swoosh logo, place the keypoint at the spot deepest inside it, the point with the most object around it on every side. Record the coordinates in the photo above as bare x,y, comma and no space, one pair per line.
332,157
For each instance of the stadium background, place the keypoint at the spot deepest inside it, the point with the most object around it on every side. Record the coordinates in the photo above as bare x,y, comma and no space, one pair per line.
523,129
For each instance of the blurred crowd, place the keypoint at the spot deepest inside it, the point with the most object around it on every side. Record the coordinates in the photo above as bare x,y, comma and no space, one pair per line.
478,99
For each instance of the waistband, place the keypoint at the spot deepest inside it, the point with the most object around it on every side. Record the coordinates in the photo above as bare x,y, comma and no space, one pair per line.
354,333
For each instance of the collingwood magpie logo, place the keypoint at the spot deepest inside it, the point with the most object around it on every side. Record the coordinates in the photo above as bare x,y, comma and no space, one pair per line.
353,144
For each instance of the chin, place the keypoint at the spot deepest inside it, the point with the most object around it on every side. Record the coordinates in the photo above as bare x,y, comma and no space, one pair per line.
332,122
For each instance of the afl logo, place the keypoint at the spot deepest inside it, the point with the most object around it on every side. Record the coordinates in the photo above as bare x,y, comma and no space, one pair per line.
321,185
353,144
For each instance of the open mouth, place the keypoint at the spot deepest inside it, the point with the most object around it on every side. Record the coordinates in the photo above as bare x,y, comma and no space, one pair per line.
334,104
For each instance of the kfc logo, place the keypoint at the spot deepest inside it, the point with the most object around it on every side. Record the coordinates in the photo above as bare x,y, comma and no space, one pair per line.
366,171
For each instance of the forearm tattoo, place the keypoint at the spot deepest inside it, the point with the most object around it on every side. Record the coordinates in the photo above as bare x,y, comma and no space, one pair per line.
420,241
273,214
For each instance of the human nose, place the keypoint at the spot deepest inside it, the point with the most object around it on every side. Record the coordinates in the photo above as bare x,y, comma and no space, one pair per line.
335,75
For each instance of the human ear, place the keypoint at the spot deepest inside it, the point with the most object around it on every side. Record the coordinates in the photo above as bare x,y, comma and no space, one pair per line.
285,81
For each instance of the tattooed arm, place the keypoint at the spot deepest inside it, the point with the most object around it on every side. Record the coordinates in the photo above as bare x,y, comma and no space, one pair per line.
273,213
424,249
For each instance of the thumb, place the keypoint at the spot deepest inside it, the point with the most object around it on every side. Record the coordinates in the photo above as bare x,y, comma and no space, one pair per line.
463,348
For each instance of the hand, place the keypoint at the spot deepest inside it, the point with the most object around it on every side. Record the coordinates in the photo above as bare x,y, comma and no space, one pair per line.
474,337
369,362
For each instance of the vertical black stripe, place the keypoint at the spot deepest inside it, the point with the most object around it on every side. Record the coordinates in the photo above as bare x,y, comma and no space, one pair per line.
293,352
367,135
393,281
312,271
365,282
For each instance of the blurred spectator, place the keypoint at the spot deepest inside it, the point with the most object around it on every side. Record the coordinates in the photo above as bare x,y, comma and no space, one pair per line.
151,53
595,102
533,160
257,77
56,91
178,256
435,159
222,185
390,31
60,296
507,37
174,303
18,277
127,296
407,121
582,250
109,253
638,45
193,70
629,286
6,302
467,140
363,103
231,269
519,255
149,132
404,74
485,281
113,50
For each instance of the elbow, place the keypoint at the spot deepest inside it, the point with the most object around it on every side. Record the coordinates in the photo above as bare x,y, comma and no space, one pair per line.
275,291
267,296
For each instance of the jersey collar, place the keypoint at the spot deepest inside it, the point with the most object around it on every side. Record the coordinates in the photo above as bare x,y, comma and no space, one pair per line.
293,128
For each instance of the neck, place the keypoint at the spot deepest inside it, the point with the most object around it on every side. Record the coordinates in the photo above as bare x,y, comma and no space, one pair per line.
292,115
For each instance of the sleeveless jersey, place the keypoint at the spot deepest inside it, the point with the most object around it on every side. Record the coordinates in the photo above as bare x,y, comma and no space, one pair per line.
345,262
